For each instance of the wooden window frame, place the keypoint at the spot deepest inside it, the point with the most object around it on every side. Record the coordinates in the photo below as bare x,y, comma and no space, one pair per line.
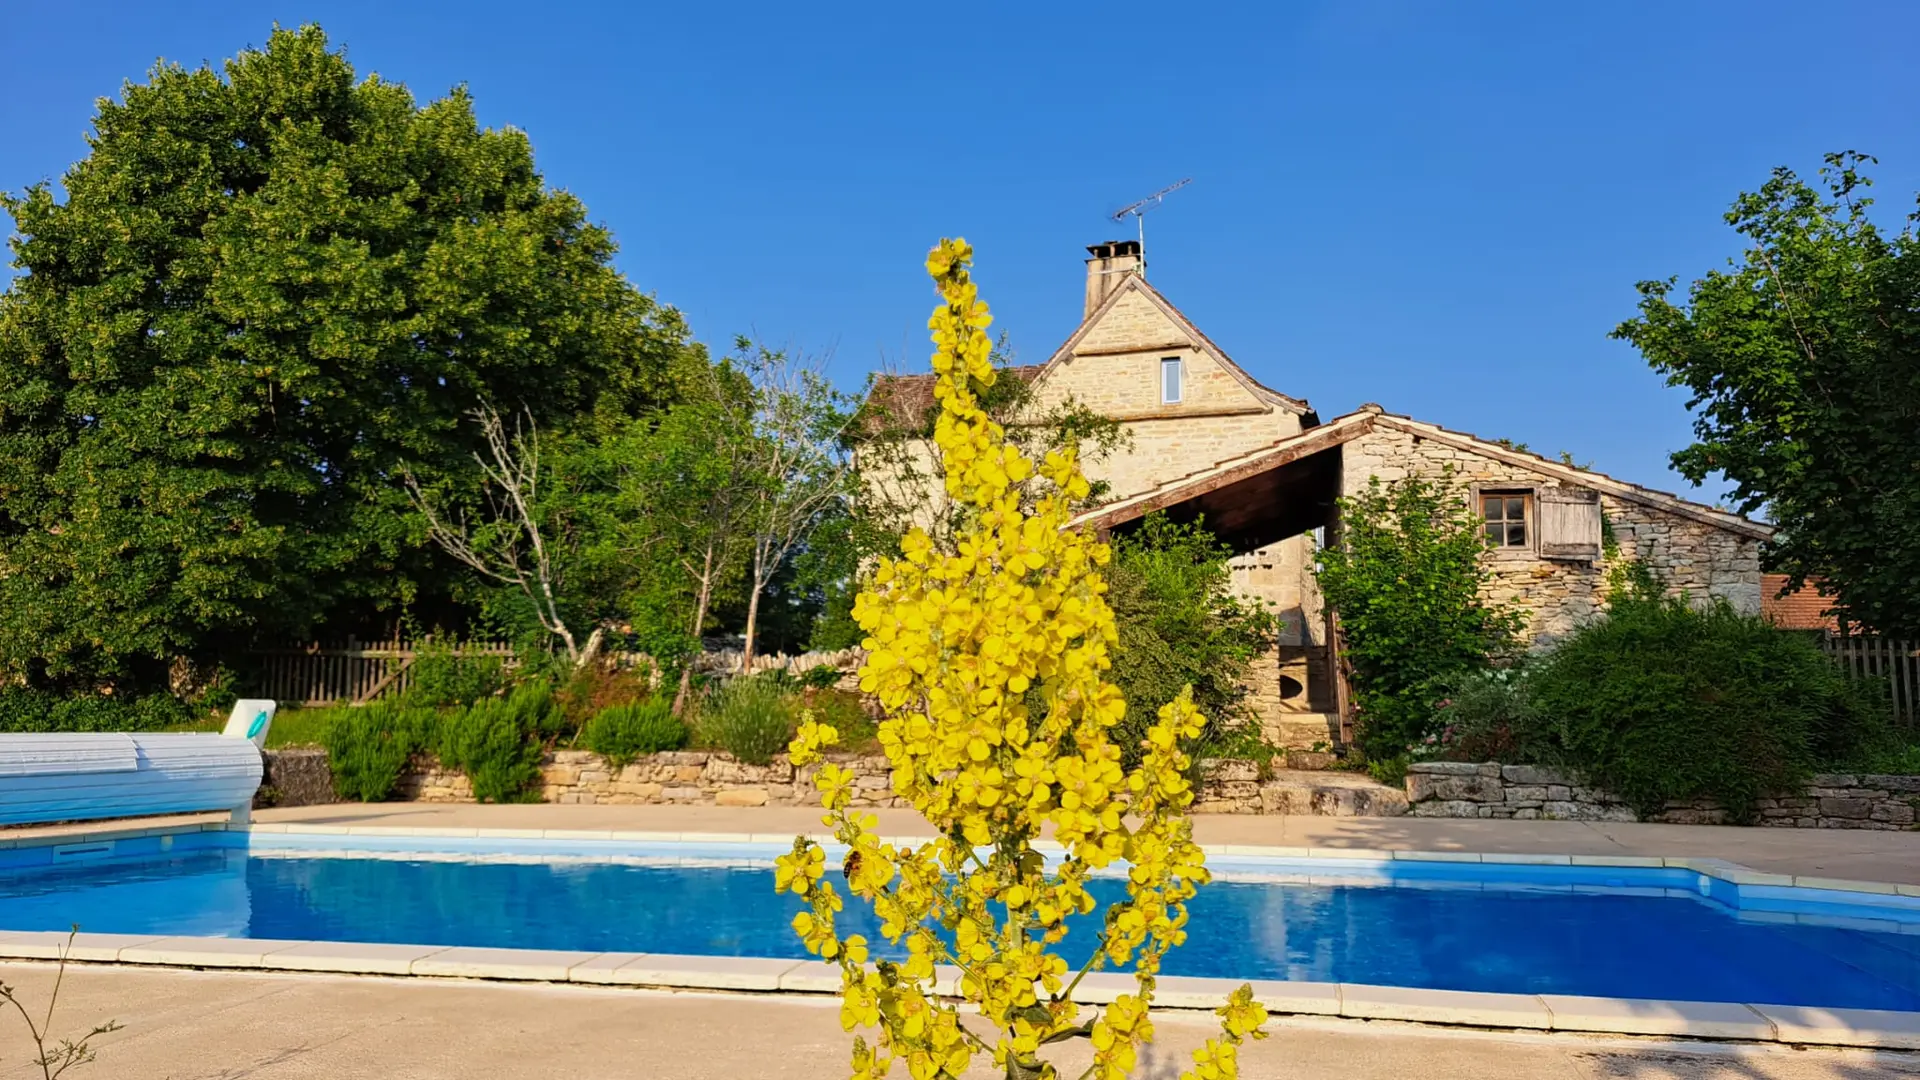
1179,365
1529,520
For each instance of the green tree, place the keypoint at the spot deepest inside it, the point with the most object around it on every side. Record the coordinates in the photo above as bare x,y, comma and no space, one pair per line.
1181,625
1803,359
1404,572
798,473
264,292
695,486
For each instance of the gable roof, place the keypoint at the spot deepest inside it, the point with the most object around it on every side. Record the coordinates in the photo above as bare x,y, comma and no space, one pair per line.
1134,283
1367,418
1578,477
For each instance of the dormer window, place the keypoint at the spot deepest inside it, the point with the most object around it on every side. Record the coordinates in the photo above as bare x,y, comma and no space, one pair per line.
1170,380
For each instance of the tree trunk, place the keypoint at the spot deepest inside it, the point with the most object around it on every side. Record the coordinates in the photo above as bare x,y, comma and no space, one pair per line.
699,621
753,617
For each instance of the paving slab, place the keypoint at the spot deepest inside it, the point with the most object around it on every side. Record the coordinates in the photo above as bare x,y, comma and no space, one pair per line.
712,972
1444,1007
358,957
1698,1019
549,965
604,969
1844,1027
53,944
204,952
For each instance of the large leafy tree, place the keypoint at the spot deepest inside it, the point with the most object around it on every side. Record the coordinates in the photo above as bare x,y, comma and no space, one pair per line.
266,290
1803,359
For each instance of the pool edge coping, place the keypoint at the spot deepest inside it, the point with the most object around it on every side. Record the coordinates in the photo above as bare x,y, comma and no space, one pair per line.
1723,1021
1722,869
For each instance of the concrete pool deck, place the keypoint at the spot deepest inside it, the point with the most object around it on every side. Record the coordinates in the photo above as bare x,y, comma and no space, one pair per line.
195,1025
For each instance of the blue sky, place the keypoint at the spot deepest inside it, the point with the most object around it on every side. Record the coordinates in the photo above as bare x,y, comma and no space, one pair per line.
1442,208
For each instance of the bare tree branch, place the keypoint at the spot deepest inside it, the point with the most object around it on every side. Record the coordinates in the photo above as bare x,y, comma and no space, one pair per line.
510,547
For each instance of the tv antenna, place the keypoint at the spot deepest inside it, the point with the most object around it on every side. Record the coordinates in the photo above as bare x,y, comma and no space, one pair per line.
1139,212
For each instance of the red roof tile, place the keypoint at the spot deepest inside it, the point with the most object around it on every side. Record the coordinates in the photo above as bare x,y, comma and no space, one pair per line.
1797,610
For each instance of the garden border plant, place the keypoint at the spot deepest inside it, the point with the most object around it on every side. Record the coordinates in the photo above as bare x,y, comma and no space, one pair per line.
1405,574
990,658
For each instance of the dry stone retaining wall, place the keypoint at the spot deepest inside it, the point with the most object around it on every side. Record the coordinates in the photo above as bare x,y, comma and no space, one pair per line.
1448,789
709,778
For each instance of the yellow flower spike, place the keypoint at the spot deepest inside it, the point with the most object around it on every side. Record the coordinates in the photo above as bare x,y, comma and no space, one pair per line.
989,654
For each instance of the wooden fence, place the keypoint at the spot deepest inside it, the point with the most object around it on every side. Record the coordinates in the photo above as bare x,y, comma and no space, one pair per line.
352,671
1898,662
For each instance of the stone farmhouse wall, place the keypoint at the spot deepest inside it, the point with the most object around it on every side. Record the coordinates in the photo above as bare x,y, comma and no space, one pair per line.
1686,556
1448,789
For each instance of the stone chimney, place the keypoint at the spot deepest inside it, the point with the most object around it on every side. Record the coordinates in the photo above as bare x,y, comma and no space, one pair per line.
1110,264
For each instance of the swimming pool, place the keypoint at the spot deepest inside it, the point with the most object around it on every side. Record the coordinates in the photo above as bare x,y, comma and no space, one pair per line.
1642,932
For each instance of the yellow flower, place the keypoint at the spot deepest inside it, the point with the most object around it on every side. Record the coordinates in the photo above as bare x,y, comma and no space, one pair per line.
836,784
811,738
1215,1061
1242,1016
989,651
798,870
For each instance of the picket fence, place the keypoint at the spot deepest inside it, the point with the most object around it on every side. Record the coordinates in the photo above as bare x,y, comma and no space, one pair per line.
352,670
358,672
1897,662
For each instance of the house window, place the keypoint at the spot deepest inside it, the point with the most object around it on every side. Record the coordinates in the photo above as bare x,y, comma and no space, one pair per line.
1505,514
1170,380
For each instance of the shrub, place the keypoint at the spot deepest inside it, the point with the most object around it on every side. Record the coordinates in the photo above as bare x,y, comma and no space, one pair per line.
368,747
594,688
846,712
621,733
1405,577
540,711
1661,701
495,743
750,718
441,677
24,710
1180,625
1489,716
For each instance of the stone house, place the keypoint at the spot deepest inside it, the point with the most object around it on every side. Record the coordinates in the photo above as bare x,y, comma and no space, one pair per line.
1205,439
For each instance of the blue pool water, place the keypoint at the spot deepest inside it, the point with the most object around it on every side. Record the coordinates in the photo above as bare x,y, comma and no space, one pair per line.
1445,933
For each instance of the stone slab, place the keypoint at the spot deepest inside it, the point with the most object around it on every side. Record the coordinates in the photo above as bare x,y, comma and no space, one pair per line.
1101,987
536,965
812,978
1844,1027
603,969
1444,1007
204,952
709,972
1695,1019
352,957
52,944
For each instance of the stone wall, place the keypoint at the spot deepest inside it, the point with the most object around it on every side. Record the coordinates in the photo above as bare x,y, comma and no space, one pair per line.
711,778
295,777
1448,789
680,777
1559,595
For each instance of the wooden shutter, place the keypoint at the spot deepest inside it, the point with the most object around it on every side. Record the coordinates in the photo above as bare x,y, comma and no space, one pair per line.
1569,523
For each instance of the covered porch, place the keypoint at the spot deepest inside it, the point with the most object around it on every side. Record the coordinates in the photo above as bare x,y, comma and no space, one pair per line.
1266,507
